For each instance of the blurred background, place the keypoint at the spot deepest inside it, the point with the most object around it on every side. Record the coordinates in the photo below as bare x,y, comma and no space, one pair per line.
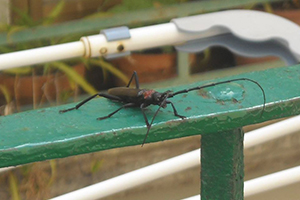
26,24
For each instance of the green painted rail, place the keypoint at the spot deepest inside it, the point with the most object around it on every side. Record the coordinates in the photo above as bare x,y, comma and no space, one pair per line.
45,134
133,18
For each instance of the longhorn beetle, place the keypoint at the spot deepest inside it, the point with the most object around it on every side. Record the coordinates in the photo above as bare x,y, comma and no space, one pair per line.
136,97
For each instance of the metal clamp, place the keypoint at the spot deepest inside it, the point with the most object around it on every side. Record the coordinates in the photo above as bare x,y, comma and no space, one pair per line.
115,34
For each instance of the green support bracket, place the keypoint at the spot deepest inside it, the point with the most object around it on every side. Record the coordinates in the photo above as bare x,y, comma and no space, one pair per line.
222,165
45,134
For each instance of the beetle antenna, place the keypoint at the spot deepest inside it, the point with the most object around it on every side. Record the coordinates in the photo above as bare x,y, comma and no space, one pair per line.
161,105
223,82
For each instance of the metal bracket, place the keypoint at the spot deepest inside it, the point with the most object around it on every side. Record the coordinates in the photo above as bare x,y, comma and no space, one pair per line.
115,34
248,33
242,47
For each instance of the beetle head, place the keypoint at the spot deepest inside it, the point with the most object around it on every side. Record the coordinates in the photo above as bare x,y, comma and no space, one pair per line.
160,98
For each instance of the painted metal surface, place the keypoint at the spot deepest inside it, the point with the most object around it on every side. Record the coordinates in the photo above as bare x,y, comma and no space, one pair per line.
45,134
222,165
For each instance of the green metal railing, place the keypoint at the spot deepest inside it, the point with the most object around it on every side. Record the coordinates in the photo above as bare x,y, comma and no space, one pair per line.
45,134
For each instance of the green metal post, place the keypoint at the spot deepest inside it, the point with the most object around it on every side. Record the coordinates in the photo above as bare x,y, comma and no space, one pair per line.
222,165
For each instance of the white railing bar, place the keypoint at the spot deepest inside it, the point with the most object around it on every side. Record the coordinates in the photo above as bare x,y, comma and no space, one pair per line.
268,182
41,55
135,178
197,197
4,169
272,181
271,132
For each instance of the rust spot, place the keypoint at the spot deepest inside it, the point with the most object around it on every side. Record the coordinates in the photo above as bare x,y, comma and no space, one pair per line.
185,95
234,100
220,102
188,108
175,121
203,93
41,111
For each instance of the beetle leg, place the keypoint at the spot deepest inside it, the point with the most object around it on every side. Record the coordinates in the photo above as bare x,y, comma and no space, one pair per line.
147,123
145,117
108,96
137,84
174,110
111,114
149,126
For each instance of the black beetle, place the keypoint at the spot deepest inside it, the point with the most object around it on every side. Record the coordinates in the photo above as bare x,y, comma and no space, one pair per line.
136,97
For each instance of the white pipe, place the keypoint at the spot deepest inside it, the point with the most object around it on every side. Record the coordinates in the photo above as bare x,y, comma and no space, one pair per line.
268,182
272,181
97,45
271,132
41,55
197,197
135,178
6,169
141,38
